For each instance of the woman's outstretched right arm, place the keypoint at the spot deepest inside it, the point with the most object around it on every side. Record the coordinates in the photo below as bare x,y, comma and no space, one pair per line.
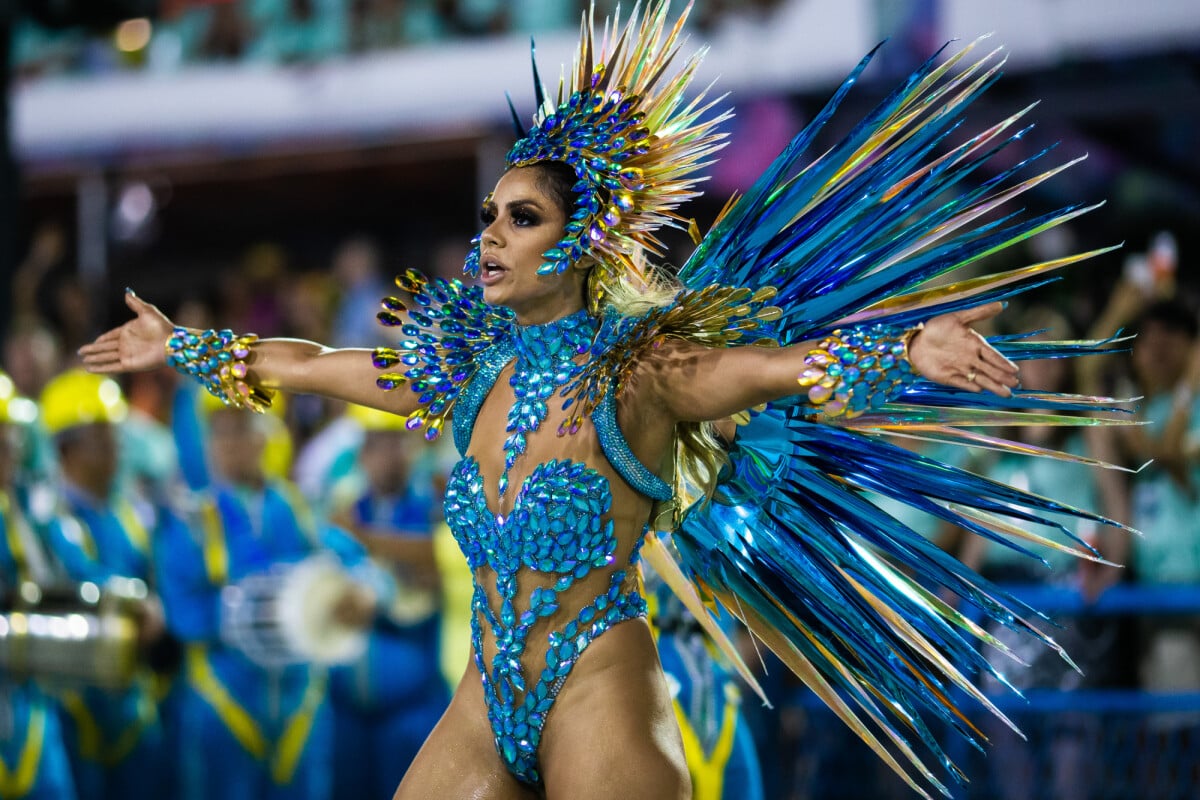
290,365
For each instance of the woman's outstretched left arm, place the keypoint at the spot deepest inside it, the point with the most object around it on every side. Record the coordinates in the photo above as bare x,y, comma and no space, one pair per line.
695,383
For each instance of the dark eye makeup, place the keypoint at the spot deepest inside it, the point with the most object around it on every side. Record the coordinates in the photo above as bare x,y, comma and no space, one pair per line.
521,215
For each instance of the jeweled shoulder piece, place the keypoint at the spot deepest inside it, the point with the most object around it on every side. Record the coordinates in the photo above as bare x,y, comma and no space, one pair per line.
446,326
218,360
716,316
636,145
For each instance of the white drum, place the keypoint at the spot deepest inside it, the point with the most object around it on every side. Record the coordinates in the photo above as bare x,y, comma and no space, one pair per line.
286,616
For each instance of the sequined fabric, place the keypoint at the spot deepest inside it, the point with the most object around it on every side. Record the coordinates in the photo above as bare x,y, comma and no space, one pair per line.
557,526
446,328
546,361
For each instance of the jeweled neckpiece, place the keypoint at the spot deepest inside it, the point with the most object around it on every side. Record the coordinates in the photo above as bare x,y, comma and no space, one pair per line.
546,361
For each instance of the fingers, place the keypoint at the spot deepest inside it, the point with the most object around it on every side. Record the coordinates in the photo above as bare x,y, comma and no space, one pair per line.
998,381
984,381
992,357
104,340
103,365
977,381
136,304
979,313
96,358
133,301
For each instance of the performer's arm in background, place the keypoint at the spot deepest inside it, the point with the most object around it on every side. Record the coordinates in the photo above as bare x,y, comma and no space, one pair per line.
695,383
292,365
190,599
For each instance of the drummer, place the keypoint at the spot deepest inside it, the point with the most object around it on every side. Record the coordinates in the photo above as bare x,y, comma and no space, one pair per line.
386,703
114,737
252,729
33,756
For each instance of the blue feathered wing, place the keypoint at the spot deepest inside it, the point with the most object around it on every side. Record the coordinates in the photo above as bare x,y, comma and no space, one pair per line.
872,231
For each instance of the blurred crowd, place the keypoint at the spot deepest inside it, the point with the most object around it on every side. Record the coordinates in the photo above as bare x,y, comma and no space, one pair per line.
188,32
194,618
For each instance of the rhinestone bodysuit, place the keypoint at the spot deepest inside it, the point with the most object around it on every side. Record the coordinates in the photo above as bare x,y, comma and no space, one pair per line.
556,527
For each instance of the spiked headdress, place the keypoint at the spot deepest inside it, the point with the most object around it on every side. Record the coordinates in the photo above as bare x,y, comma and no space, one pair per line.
623,125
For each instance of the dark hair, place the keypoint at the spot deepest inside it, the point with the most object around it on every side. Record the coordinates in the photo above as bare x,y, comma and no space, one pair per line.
557,179
1173,315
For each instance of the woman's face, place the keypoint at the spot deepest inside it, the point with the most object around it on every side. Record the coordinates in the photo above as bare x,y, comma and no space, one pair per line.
521,222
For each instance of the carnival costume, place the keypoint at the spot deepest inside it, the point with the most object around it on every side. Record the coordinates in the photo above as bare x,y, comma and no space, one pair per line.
252,729
717,742
842,250
386,703
114,736
33,756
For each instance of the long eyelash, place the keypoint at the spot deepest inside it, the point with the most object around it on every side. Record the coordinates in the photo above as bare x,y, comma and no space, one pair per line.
486,216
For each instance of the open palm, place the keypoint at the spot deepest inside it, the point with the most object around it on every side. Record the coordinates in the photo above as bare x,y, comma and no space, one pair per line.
138,345
948,351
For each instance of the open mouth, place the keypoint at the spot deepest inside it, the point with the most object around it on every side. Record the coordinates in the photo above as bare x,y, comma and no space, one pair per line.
491,270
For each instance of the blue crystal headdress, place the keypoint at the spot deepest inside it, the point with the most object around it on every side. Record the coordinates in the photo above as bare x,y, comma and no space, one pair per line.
636,147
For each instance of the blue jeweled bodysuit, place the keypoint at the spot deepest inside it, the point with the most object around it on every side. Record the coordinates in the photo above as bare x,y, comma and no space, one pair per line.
556,527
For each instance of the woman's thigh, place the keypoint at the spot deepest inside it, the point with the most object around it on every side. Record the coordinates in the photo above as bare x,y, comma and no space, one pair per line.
612,732
458,761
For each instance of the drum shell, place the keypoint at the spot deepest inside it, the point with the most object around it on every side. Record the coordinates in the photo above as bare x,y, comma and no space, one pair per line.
69,636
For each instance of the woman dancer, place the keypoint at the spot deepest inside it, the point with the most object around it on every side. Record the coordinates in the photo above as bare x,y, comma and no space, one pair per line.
582,384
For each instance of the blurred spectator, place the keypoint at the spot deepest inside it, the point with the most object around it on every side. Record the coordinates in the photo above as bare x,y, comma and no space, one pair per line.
32,356
386,703
308,31
706,697
1050,760
32,351
356,272
447,259
149,462
1165,507
377,24
67,300
307,304
31,737
291,31
229,33
250,294
114,736
1166,367
254,718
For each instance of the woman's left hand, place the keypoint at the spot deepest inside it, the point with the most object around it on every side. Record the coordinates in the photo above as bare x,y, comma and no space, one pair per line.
948,351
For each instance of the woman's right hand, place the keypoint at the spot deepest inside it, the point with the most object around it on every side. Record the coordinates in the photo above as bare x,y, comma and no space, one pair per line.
138,345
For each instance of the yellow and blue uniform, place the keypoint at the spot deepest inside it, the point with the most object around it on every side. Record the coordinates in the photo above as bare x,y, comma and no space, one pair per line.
114,737
721,756
33,757
250,731
385,704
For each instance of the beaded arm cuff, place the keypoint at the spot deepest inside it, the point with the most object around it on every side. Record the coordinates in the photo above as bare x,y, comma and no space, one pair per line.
852,371
217,360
